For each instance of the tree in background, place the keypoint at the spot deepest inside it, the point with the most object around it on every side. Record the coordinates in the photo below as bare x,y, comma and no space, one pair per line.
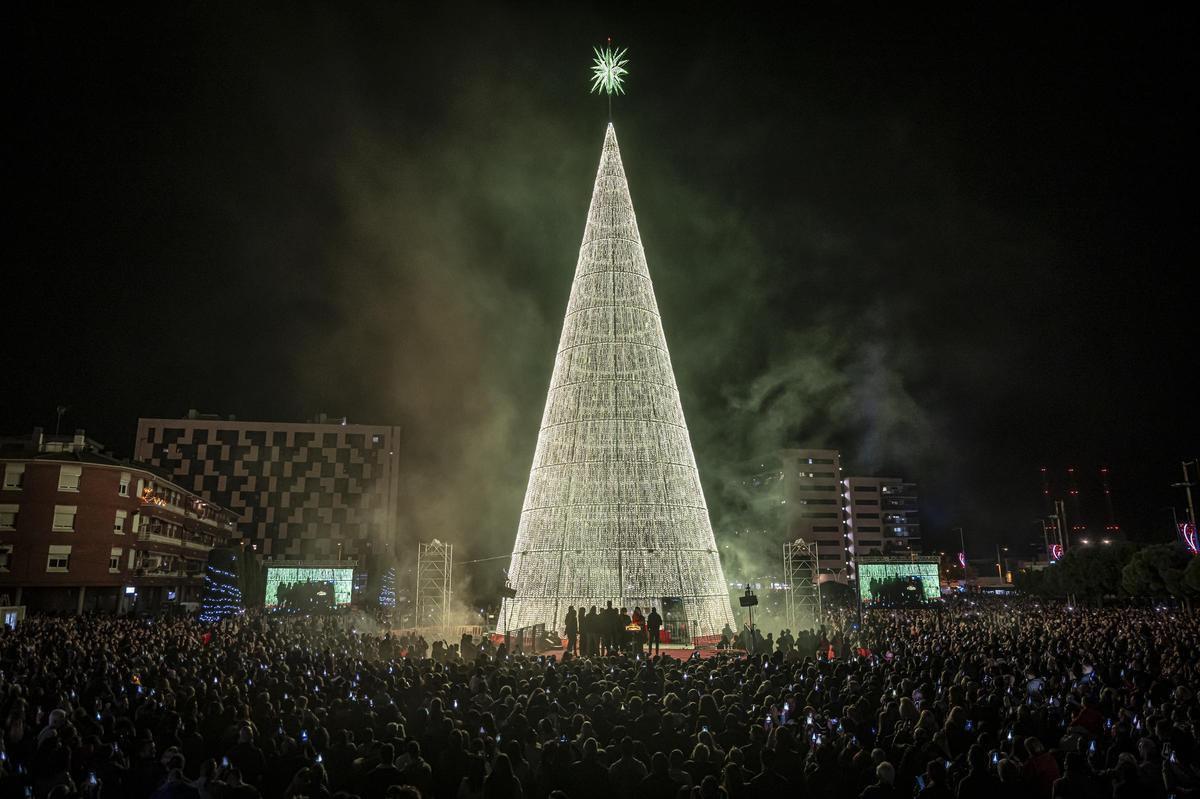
1093,572
1161,571
1122,569
1038,582
1191,576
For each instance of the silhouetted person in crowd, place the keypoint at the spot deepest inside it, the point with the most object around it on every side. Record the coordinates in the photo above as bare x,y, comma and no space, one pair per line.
935,782
884,786
502,783
658,782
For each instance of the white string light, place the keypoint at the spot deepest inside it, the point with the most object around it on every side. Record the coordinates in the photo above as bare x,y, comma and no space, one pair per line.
614,509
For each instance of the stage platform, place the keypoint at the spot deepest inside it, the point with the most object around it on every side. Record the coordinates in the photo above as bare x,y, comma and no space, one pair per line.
676,651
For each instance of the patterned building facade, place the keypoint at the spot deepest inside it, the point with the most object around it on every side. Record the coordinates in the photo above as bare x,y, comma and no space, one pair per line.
304,491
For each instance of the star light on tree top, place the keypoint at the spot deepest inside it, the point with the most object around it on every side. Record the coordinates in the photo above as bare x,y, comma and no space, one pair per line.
608,72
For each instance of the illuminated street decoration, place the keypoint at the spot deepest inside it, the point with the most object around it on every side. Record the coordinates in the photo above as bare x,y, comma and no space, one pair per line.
148,497
1188,531
1056,552
614,509
962,559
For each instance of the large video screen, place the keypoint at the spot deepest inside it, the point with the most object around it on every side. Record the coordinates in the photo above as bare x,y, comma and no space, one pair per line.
306,585
927,573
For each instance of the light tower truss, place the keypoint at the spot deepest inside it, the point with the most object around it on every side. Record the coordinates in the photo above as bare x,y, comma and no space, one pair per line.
803,593
435,565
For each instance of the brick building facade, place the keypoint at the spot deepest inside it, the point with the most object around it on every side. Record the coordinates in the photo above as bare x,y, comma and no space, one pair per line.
83,531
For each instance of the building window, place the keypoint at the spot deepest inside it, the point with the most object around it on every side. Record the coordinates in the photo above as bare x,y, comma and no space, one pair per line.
64,517
14,476
59,559
68,478
119,522
123,486
5,557
114,560
8,517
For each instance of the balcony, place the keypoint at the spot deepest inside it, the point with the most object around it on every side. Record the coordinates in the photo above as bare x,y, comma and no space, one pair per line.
152,537
158,538
156,576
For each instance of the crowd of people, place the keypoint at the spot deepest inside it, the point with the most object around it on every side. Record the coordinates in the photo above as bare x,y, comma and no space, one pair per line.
973,698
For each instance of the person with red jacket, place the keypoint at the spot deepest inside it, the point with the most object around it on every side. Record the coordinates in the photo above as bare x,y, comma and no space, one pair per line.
1090,718
1040,770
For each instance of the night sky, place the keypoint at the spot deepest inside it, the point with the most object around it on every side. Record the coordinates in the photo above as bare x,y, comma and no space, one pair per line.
956,248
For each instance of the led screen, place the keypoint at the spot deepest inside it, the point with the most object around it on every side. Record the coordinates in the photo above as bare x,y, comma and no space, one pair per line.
288,577
926,572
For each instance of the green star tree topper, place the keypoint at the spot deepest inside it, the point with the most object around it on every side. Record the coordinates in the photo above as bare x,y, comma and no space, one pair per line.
608,72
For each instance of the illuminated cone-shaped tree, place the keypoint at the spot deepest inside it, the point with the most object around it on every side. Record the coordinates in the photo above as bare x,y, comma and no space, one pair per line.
614,509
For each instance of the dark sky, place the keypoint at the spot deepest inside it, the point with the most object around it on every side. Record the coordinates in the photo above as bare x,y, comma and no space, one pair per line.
957,248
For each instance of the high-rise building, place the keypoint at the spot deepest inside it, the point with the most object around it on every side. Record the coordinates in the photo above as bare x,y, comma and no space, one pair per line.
81,530
614,509
882,516
321,490
790,494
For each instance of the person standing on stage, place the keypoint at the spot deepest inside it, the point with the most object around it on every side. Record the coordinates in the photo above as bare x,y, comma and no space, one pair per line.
608,641
572,625
638,635
587,626
654,628
624,637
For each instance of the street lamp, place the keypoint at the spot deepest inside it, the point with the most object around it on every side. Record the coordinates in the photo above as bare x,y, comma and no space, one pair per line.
1186,485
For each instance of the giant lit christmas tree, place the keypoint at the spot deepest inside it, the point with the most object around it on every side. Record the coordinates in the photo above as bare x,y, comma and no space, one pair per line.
614,509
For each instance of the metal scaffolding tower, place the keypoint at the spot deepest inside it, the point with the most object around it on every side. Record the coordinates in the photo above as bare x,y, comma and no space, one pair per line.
803,591
435,564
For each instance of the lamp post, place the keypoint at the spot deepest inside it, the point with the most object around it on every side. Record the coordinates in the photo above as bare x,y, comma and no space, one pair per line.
1045,539
1174,520
1060,523
1186,485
